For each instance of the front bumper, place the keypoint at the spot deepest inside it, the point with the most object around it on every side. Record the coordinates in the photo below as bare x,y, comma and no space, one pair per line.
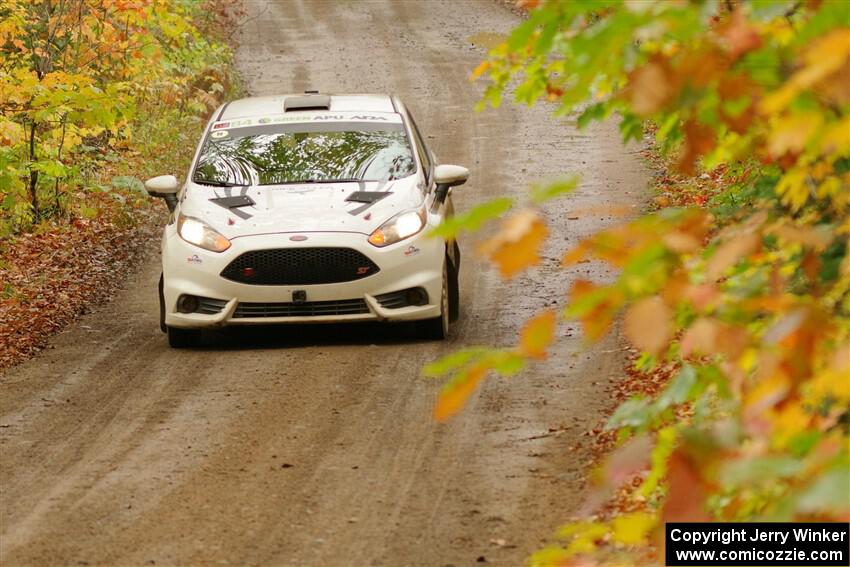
190,270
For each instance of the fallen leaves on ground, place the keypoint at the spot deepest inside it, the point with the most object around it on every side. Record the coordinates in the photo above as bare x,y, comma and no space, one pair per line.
50,277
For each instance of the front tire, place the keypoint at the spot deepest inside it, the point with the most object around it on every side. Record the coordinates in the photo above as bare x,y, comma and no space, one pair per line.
437,329
162,326
454,285
182,338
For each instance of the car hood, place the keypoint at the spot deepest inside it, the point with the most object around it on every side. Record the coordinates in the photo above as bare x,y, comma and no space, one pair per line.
311,207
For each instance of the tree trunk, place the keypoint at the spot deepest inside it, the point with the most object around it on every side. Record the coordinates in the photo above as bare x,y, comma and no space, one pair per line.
36,212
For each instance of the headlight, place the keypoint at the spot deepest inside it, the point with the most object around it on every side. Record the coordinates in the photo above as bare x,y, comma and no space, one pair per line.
198,233
403,225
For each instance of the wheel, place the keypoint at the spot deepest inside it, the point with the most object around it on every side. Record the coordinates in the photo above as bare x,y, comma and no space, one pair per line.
454,286
182,338
437,329
162,326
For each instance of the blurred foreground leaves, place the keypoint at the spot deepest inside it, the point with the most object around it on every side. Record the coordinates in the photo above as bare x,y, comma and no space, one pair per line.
745,291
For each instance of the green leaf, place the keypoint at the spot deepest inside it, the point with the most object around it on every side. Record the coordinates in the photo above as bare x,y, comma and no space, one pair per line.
453,361
593,112
542,193
747,471
679,390
829,493
633,413
473,219
665,442
507,363
128,182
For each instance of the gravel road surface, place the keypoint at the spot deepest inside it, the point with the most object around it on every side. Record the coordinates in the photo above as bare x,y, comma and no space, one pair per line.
314,445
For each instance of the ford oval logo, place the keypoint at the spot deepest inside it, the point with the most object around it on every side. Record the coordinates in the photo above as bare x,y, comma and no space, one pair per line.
298,238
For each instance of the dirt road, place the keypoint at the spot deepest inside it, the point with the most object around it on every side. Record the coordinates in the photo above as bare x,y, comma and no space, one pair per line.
314,446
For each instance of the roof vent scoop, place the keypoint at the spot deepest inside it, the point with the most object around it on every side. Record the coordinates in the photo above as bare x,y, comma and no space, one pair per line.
307,102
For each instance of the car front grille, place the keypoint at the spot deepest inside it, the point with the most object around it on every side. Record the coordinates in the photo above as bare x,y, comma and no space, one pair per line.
306,309
299,266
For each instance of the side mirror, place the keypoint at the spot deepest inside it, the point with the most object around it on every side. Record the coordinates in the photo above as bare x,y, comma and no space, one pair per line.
448,176
164,187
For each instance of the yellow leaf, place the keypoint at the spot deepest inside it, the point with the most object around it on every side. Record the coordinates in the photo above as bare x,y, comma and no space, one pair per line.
632,529
648,324
454,395
11,133
832,384
793,189
823,60
792,133
517,245
826,56
836,139
767,393
538,334
788,422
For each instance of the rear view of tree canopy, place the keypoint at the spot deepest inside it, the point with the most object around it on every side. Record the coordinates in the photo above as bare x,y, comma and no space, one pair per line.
749,295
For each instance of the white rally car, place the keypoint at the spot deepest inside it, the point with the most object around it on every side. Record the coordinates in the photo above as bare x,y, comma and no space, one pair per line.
308,208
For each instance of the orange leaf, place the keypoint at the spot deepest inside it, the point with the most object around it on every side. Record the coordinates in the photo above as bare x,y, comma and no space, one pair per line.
701,337
741,37
686,491
597,320
702,296
699,140
576,255
480,70
517,245
648,324
805,235
730,252
538,334
453,396
651,87
710,337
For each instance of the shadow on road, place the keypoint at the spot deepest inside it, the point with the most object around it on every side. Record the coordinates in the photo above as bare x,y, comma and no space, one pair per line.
300,336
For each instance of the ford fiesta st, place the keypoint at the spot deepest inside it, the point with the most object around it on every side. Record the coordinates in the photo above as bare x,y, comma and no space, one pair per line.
308,208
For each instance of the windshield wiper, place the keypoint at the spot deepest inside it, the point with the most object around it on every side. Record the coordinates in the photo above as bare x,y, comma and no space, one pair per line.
215,183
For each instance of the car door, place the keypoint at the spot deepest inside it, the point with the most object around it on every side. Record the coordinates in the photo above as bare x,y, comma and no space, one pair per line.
445,209
426,158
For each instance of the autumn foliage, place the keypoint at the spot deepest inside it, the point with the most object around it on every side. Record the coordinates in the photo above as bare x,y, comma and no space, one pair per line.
84,80
95,95
746,292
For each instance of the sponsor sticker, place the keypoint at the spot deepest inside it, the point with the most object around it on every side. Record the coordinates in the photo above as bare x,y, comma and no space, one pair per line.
193,259
220,134
411,250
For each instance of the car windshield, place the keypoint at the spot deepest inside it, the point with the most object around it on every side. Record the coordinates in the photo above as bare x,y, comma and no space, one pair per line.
304,153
